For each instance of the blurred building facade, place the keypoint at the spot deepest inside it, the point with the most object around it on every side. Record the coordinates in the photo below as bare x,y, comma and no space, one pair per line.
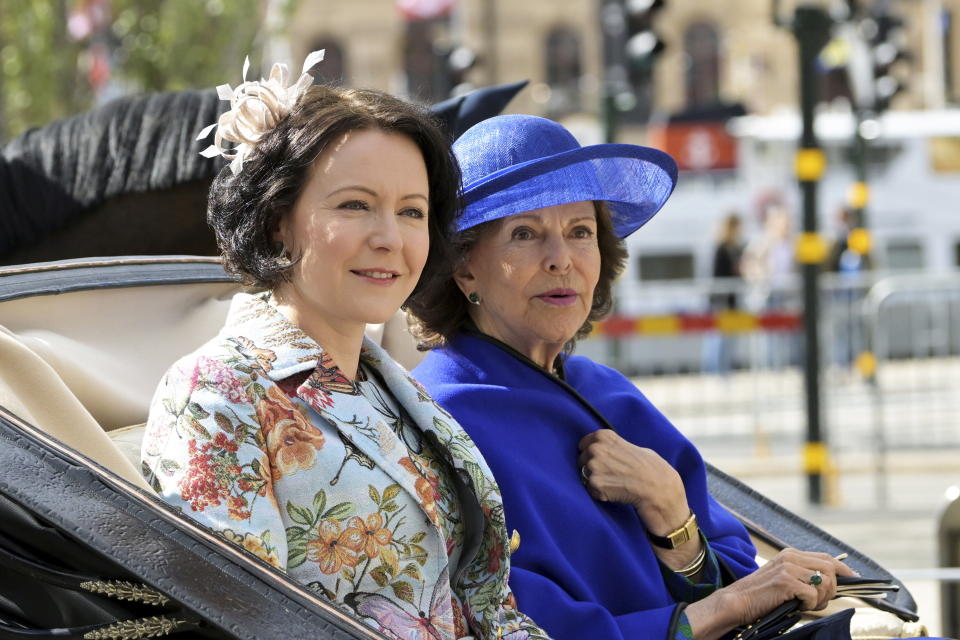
722,59
721,52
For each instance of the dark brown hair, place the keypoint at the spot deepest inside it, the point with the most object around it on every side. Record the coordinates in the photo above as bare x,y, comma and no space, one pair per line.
440,309
244,210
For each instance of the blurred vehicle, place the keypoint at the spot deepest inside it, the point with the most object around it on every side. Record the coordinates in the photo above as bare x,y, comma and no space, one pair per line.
913,170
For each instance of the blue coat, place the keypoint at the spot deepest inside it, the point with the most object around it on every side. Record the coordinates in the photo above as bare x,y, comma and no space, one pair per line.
584,569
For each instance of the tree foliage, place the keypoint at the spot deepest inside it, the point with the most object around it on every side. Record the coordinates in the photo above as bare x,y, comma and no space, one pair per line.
38,66
153,45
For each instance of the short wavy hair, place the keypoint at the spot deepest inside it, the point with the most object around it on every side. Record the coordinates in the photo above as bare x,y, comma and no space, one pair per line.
439,309
244,209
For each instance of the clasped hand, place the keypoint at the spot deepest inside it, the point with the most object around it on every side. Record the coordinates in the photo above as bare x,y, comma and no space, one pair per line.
618,471
614,470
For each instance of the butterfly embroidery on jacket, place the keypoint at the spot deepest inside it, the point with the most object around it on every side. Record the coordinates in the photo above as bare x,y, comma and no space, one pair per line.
437,624
328,377
351,452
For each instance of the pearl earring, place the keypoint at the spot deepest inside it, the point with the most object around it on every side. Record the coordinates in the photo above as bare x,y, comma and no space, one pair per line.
283,260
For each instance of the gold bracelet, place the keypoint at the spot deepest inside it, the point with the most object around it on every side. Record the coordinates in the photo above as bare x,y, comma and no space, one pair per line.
686,532
695,565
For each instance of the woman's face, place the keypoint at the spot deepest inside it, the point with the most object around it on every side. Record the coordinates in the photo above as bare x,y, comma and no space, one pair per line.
535,273
359,229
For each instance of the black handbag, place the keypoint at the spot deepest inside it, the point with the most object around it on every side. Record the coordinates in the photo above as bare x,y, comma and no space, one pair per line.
778,622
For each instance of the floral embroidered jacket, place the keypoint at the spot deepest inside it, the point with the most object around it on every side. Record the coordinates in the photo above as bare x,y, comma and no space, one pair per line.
259,436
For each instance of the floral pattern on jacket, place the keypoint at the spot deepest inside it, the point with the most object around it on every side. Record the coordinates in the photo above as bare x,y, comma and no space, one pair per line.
259,436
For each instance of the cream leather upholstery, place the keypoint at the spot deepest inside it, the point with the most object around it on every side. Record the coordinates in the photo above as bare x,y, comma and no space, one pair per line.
32,389
111,346
83,363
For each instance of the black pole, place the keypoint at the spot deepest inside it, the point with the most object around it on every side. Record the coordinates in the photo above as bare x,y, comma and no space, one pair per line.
612,17
811,27
612,21
609,107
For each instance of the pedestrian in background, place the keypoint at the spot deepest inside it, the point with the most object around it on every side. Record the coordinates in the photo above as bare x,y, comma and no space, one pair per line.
768,265
848,290
727,280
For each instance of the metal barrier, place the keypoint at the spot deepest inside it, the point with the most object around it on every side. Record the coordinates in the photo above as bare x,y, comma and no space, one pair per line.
667,338
948,547
916,396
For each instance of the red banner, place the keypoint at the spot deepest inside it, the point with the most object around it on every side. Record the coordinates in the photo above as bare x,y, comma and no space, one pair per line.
697,146
424,9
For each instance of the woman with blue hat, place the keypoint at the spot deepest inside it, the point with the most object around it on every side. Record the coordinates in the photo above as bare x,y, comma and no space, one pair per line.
620,537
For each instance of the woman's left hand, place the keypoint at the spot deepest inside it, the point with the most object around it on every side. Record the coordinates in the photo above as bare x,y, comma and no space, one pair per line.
616,470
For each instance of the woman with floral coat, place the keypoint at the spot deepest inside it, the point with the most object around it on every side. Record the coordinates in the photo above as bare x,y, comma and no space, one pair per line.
292,435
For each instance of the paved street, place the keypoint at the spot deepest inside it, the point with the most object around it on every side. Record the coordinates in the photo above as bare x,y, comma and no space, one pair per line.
901,537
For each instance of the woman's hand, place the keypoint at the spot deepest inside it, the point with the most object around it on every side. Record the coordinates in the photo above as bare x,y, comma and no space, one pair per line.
618,471
786,577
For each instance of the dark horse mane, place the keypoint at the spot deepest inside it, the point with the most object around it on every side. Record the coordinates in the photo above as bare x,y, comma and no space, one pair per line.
132,150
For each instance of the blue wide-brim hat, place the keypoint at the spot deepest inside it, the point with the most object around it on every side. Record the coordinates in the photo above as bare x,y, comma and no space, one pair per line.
516,163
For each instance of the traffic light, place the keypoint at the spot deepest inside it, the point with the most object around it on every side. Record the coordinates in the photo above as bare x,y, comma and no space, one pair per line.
642,44
459,61
885,34
630,49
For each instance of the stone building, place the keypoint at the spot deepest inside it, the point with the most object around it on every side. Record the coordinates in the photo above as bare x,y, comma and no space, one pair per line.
720,56
723,51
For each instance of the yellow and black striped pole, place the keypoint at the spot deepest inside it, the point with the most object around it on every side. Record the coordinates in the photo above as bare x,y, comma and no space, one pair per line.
811,27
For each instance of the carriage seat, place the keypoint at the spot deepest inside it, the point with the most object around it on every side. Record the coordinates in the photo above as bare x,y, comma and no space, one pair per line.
83,365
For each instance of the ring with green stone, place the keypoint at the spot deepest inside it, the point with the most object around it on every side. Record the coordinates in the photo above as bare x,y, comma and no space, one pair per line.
816,579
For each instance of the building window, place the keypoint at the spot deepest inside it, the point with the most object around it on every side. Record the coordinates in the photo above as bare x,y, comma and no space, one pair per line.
665,266
905,254
563,70
333,69
701,46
